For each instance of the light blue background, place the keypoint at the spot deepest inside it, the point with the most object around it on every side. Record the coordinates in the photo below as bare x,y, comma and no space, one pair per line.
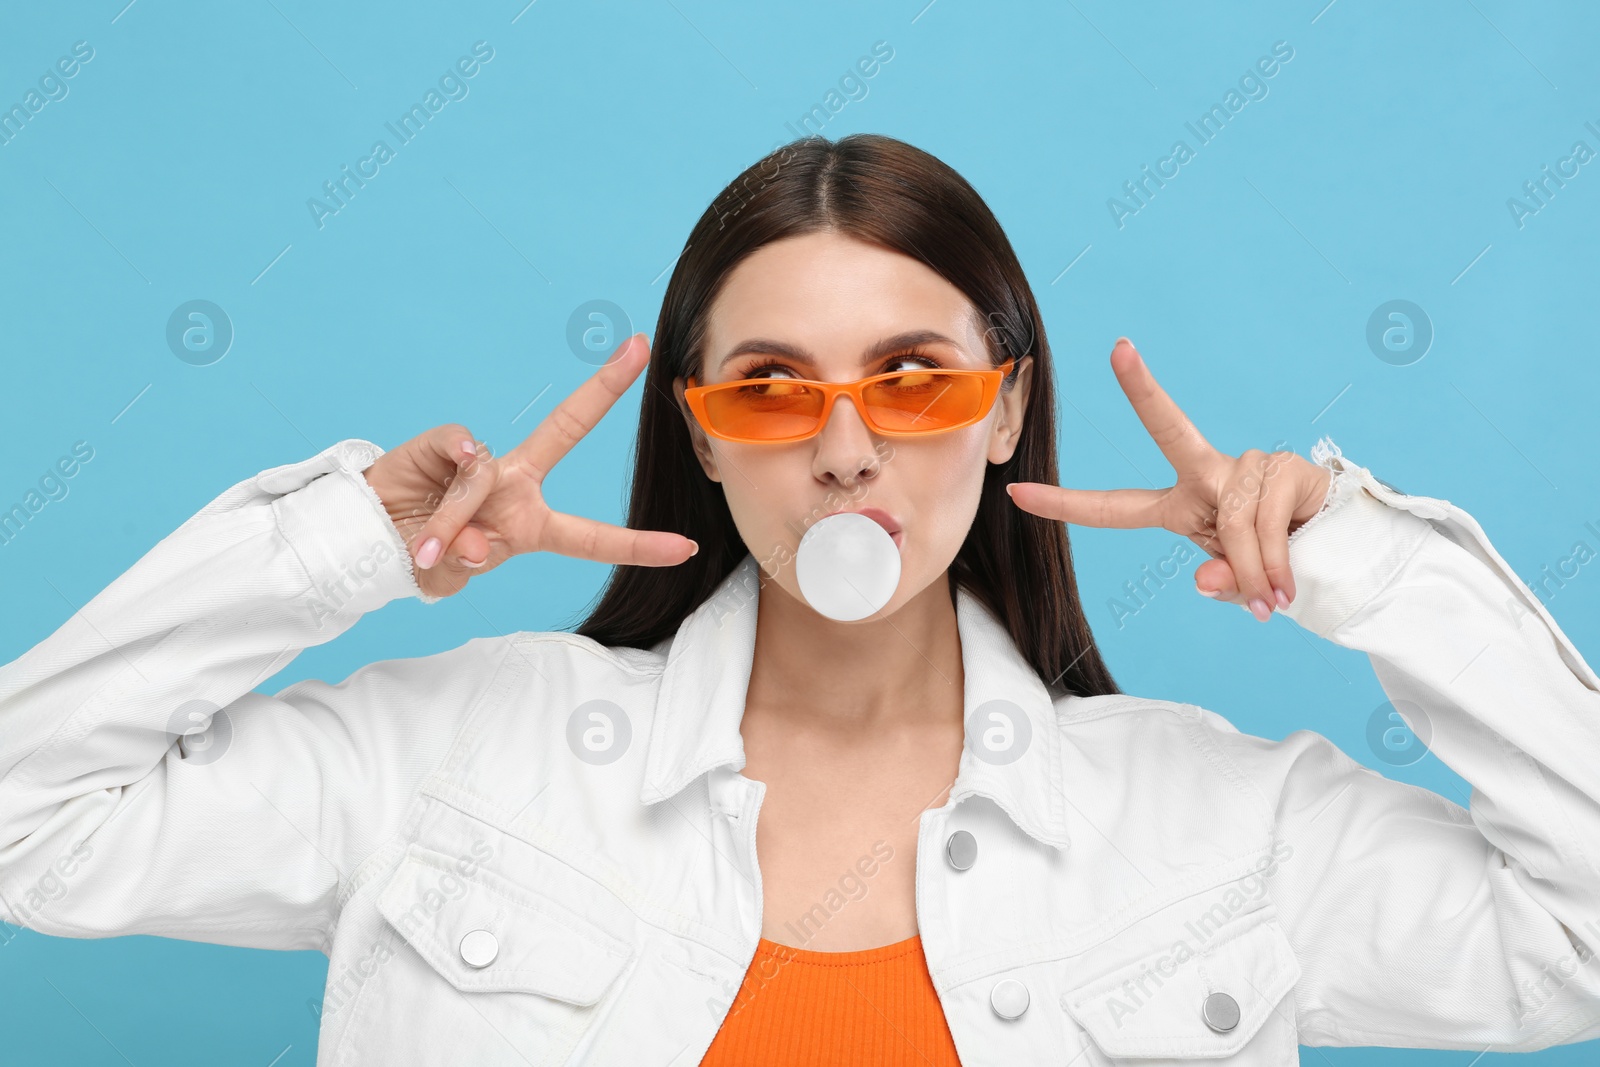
1378,167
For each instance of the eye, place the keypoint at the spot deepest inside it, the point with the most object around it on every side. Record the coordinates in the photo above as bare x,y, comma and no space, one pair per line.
770,363
915,356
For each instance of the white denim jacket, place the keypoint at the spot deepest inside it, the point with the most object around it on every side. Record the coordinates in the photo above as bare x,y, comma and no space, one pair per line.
533,849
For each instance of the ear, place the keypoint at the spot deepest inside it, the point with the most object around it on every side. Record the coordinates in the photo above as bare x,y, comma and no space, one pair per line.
1013,404
702,443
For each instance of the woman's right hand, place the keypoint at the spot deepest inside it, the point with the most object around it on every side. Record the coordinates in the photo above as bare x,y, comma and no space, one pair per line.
462,511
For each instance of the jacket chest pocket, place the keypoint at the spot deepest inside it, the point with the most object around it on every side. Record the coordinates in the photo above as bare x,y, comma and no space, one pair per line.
485,971
1223,1001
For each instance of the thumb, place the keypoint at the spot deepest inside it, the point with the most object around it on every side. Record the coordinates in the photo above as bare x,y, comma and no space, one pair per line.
1215,578
470,549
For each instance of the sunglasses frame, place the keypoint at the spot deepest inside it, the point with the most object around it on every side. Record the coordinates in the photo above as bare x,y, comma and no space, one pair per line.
992,379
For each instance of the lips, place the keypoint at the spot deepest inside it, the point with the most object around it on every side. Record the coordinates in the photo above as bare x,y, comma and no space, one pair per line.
890,524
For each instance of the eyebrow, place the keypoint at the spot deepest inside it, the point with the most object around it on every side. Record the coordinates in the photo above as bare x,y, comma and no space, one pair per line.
879,349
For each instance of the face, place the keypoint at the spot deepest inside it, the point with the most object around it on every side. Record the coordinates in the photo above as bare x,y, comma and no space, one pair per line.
834,298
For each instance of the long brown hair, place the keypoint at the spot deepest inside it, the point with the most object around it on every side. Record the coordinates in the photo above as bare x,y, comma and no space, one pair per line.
883,191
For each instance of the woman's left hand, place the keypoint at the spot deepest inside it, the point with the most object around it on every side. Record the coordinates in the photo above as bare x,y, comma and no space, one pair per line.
1239,509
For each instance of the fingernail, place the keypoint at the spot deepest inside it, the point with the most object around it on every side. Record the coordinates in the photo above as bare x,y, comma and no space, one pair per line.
465,562
469,449
428,554
1259,609
1212,593
1283,601
696,550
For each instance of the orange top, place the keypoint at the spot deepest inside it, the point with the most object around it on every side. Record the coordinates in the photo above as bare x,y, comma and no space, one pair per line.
872,1006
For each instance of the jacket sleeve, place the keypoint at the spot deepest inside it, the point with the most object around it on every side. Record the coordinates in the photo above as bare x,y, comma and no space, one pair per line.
1418,923
145,789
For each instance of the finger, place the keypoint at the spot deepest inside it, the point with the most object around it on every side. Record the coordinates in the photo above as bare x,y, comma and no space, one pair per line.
574,535
455,566
1278,501
1206,538
1121,509
575,416
470,549
1177,437
466,490
1214,578
1237,532
1317,481
446,449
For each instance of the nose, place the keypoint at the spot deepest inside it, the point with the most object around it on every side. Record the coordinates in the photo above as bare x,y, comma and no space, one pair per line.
844,446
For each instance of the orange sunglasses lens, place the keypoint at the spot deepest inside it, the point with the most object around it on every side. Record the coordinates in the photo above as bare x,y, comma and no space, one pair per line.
775,409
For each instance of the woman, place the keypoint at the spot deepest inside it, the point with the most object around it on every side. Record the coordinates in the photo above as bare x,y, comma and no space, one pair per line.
714,826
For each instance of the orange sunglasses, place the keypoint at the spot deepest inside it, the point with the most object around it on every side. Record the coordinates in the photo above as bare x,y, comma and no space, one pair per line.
897,404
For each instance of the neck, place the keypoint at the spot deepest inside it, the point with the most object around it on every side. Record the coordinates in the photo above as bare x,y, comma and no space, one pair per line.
882,671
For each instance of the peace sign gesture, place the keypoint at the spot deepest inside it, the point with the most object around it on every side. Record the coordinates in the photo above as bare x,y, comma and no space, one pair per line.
462,511
1239,509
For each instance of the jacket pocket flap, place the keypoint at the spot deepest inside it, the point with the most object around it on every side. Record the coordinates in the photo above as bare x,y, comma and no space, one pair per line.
484,933
1180,1003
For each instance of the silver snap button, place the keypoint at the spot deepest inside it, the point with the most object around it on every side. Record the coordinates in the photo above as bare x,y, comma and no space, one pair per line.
1009,998
961,849
478,948
1221,1012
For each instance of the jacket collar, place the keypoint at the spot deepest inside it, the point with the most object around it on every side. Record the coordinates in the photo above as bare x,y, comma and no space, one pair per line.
701,702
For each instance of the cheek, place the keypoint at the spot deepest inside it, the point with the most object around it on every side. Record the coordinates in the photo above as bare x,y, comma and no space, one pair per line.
954,460
936,483
943,486
763,488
